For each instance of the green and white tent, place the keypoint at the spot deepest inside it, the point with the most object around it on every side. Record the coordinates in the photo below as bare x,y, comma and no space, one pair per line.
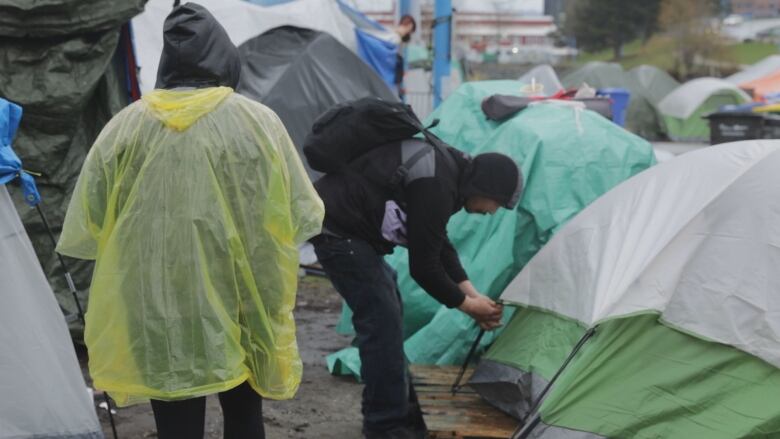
684,108
569,156
664,291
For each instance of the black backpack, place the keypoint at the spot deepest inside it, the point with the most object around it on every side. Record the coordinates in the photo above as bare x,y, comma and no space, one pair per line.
351,129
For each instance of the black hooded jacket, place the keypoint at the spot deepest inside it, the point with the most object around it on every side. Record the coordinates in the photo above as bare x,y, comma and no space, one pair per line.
355,204
197,51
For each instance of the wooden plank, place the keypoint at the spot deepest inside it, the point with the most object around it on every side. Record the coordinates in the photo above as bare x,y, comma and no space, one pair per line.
461,416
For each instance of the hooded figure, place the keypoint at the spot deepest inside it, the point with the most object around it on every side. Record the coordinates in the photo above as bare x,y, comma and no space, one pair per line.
366,216
192,202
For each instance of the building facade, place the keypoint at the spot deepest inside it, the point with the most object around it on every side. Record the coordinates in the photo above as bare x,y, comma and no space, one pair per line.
756,8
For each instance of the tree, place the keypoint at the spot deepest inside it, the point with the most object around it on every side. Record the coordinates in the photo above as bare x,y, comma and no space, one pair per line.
602,24
698,43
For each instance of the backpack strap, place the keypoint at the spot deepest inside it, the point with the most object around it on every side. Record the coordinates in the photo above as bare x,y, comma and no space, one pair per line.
402,171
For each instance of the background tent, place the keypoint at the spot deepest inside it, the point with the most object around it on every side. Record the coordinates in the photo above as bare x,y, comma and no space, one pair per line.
43,391
647,86
684,108
675,269
762,87
300,73
545,76
568,156
654,83
244,21
597,74
766,66
70,65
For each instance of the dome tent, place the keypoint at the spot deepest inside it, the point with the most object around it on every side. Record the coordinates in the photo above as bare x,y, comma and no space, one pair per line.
666,286
545,75
646,85
684,108
654,83
301,73
44,394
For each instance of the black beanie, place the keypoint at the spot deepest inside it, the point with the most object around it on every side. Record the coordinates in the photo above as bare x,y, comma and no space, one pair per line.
495,176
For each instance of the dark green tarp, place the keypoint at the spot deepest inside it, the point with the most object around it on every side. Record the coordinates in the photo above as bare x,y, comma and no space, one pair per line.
61,64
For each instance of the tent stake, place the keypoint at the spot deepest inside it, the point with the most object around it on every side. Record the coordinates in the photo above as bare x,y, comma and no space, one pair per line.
525,429
80,310
456,385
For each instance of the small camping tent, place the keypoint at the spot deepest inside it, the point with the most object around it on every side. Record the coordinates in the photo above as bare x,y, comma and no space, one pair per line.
684,108
43,391
654,83
764,86
545,76
766,66
300,73
647,85
663,291
569,156
597,74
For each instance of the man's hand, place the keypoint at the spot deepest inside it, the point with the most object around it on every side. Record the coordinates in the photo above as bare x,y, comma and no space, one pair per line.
484,311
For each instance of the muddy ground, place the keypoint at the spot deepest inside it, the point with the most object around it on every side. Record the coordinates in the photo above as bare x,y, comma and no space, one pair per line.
325,406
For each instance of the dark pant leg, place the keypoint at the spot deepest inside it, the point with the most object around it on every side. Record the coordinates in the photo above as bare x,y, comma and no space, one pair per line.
368,286
183,419
242,410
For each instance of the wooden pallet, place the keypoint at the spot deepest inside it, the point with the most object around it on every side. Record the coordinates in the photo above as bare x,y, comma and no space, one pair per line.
464,415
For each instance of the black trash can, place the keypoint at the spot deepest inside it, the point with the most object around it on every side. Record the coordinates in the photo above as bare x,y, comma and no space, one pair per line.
732,127
771,126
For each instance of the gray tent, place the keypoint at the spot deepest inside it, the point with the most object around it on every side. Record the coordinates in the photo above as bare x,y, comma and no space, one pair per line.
647,85
63,62
654,83
544,75
43,392
300,73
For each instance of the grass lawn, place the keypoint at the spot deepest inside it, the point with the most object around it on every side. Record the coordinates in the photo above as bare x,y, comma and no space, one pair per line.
658,50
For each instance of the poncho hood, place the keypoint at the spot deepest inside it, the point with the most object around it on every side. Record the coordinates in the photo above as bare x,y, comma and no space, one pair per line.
179,109
197,51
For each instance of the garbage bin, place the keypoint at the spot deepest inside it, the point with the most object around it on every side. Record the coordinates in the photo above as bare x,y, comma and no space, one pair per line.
771,126
732,127
620,99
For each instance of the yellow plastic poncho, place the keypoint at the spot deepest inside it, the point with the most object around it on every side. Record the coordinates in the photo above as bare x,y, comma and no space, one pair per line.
192,203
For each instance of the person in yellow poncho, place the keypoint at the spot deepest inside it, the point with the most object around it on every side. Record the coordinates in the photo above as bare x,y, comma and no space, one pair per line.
192,202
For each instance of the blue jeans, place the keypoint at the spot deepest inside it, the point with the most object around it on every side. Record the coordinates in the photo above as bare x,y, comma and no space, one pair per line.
368,285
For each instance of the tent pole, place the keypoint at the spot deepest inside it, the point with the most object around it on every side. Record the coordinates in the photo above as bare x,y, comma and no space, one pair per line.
456,385
74,292
68,277
520,432
527,428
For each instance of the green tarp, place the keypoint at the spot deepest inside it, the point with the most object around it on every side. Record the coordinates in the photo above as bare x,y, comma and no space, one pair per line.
60,63
568,158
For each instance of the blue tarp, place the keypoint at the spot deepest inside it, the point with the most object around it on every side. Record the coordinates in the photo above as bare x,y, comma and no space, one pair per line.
379,54
10,164
376,52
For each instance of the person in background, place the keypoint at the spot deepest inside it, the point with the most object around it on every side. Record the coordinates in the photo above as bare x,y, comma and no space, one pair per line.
406,27
192,202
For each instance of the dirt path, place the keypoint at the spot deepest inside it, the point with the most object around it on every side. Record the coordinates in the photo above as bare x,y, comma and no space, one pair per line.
325,406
